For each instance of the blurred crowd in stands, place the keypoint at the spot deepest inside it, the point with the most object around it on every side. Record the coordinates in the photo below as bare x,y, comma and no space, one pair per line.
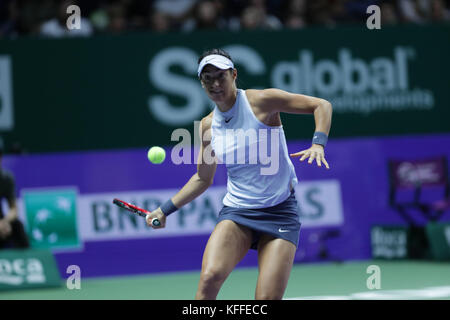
48,17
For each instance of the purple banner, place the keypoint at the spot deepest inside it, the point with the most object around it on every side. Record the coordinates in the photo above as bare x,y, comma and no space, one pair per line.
361,166
408,174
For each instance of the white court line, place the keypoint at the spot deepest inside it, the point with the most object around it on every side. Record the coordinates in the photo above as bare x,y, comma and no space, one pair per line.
408,294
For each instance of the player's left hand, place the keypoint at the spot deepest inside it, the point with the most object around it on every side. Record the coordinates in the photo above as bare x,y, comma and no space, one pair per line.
316,152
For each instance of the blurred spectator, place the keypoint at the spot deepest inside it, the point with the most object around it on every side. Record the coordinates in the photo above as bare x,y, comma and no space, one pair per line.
297,7
206,15
12,232
389,15
252,18
438,11
159,22
255,16
294,14
422,11
295,22
320,12
330,12
137,13
117,18
339,12
176,10
23,17
232,9
413,10
57,28
11,26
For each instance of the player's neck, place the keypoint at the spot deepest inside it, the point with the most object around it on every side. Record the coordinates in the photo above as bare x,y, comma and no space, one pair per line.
228,103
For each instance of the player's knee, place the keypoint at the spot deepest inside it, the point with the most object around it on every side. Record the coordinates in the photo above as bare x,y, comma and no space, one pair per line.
211,277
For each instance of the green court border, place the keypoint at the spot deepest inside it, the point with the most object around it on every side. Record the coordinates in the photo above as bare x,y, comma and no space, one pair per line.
319,281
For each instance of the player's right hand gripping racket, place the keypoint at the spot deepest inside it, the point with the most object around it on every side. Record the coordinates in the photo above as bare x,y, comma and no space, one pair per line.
139,211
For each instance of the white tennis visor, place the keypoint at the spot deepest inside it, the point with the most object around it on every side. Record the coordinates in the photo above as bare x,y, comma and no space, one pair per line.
216,60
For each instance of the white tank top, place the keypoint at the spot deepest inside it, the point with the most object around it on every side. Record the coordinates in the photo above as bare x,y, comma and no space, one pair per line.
260,172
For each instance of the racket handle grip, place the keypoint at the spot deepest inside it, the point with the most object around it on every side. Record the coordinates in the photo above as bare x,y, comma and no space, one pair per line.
156,222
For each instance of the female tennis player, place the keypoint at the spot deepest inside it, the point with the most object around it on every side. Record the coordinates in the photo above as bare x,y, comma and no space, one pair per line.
260,210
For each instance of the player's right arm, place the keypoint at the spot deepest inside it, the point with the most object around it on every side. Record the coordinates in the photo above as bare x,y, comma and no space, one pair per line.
200,181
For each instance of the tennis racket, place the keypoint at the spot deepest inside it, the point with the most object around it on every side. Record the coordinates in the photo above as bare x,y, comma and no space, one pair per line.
139,211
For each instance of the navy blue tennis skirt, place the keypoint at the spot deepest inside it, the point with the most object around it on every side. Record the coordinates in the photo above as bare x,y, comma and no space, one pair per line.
281,221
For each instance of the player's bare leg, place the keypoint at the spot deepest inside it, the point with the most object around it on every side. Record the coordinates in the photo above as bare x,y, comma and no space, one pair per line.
227,245
275,260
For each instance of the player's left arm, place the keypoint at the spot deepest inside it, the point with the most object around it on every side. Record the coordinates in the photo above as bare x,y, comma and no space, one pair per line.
12,213
276,100
5,222
11,199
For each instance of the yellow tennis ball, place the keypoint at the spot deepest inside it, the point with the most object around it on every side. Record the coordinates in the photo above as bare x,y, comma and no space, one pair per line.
156,155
